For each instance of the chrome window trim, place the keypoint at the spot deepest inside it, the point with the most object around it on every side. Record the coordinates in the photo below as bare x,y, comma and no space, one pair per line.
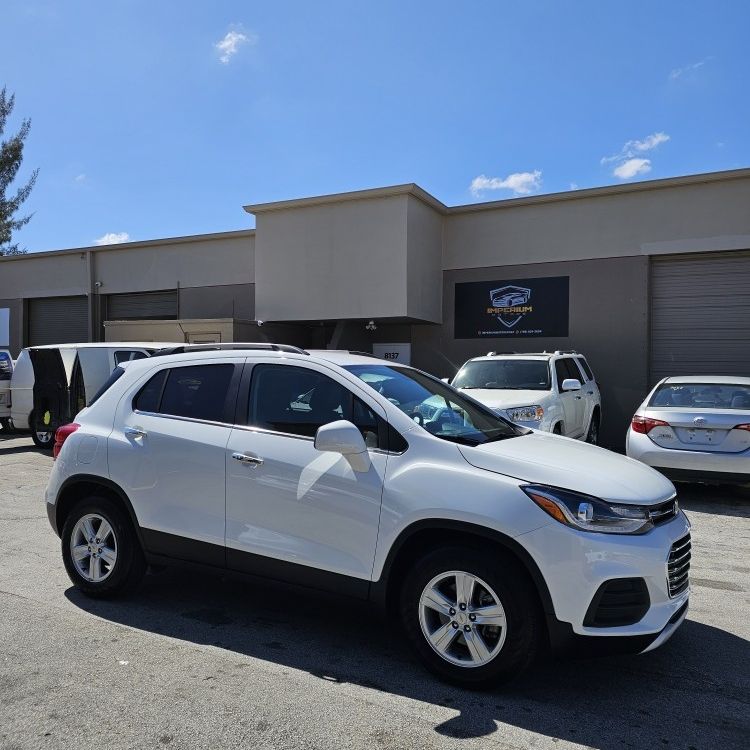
250,428
178,418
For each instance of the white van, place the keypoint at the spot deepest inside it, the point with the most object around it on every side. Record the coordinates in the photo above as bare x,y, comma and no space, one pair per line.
49,385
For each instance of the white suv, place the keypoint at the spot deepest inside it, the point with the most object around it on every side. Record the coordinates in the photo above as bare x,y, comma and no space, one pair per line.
484,540
555,392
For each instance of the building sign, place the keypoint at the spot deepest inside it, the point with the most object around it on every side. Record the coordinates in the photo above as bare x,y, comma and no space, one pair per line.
512,308
393,352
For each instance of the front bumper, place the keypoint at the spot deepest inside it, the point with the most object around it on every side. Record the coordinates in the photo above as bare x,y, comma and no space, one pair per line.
575,564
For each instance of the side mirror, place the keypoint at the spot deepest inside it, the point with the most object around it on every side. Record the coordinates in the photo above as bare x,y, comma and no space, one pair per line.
571,384
446,380
344,438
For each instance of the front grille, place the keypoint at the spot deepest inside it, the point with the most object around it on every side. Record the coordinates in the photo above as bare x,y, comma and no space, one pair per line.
678,566
663,512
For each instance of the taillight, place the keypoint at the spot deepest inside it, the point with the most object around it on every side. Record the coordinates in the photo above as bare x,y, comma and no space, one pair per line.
61,435
742,427
644,425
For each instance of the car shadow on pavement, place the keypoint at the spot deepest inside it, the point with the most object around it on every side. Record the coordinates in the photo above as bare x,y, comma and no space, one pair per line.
691,693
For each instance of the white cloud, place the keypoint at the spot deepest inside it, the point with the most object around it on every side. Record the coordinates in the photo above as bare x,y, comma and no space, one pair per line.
679,72
521,183
113,238
631,168
635,147
628,160
574,186
231,43
80,178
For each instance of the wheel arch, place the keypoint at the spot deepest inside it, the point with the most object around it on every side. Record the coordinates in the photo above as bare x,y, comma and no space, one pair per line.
79,486
422,536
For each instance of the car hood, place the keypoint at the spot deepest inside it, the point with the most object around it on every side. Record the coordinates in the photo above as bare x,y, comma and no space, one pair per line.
497,398
543,458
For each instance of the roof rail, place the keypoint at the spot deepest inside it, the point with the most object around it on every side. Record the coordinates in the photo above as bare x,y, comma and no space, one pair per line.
363,354
565,351
186,348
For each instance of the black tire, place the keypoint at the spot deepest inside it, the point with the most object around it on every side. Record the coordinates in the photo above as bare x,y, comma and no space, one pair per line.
557,429
592,436
524,619
130,564
45,443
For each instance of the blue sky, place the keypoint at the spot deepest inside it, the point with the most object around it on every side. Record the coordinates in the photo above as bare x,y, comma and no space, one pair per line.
160,118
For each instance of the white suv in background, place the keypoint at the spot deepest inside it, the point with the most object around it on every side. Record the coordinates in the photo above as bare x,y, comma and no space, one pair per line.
555,392
484,540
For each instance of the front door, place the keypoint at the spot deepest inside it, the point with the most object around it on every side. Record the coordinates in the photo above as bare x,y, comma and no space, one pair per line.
294,512
572,401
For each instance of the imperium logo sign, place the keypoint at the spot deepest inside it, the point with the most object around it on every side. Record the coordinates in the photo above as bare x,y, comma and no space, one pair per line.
512,308
510,304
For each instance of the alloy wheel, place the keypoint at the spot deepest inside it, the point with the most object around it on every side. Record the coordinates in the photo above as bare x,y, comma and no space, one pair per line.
93,547
462,618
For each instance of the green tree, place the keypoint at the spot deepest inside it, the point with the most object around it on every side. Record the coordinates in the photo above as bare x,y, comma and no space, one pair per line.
11,156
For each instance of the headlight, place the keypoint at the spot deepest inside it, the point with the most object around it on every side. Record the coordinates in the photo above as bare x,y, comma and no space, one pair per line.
590,513
525,414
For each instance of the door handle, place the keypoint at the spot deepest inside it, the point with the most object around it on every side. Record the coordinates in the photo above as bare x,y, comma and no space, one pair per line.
591,393
247,458
578,398
135,432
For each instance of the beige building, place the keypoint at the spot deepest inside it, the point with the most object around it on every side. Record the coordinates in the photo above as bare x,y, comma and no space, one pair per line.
647,279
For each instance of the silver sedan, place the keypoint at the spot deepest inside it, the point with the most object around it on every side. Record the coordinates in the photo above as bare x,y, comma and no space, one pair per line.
695,428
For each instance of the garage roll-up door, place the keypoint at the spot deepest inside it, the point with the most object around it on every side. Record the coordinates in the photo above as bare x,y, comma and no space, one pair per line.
700,315
143,306
58,320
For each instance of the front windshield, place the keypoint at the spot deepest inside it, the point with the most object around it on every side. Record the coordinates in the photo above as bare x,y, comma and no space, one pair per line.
437,407
512,374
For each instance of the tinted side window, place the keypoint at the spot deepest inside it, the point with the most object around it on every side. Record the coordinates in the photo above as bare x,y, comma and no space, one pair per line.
585,367
566,368
297,401
149,396
117,373
561,371
127,355
198,392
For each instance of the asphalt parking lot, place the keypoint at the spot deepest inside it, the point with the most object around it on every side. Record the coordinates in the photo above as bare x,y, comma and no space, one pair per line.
191,661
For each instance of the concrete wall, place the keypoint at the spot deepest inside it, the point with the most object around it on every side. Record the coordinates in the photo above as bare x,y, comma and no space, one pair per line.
679,218
608,324
44,275
227,301
424,261
215,261
335,260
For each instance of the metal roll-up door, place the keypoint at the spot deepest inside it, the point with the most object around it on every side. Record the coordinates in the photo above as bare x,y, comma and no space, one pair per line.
58,320
143,306
700,315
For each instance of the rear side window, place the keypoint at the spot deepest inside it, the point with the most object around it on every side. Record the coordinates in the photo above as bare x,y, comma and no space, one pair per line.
117,373
197,392
585,367
127,355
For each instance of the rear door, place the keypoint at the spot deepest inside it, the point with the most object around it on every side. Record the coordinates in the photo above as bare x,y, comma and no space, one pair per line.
51,404
167,450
